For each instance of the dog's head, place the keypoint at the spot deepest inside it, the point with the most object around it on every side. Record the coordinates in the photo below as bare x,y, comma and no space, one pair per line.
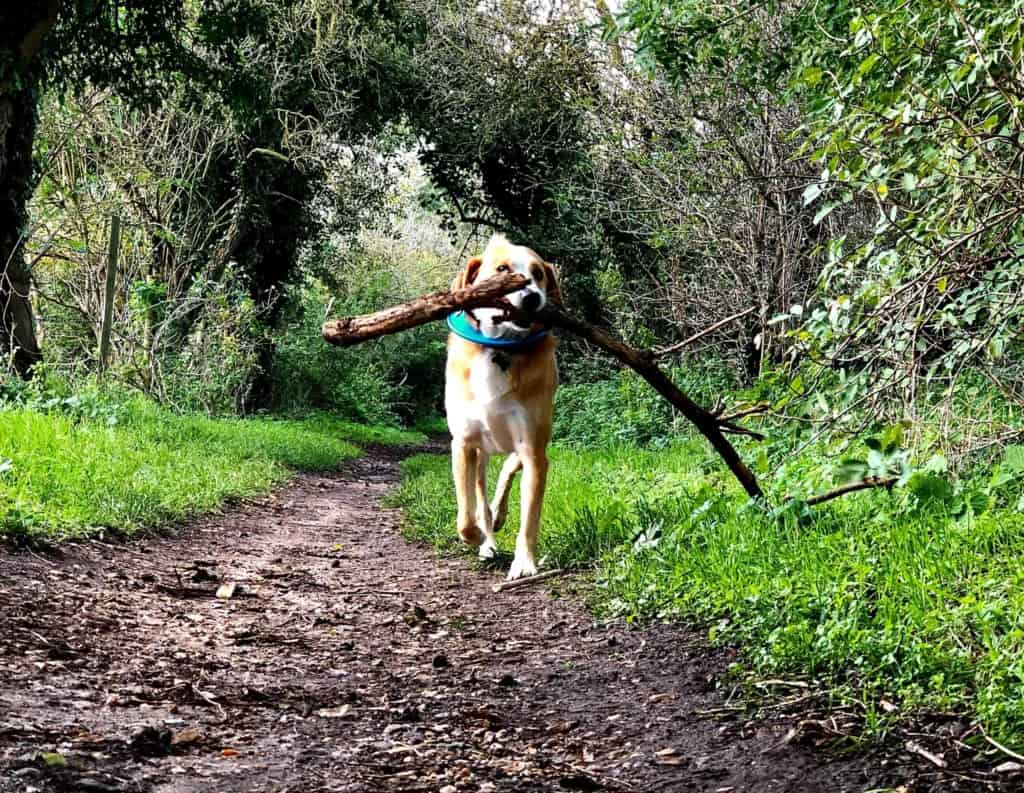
501,256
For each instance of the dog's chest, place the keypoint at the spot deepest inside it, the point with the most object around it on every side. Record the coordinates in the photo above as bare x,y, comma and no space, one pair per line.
489,377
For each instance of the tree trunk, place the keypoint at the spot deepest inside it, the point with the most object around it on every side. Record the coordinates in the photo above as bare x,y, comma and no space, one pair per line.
18,117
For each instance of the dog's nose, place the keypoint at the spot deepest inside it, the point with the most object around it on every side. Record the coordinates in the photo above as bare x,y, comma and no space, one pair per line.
531,302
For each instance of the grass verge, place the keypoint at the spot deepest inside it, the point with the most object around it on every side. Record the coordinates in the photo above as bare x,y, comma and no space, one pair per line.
878,595
65,474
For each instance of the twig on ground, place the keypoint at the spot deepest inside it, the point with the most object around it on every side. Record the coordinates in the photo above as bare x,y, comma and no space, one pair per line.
504,586
916,748
1001,748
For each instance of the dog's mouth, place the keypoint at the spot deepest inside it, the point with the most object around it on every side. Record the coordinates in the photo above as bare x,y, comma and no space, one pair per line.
517,323
511,315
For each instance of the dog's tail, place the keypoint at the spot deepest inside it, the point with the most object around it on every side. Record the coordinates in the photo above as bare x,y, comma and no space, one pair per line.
499,506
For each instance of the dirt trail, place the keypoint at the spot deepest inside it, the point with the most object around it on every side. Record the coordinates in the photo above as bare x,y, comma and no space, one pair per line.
349,660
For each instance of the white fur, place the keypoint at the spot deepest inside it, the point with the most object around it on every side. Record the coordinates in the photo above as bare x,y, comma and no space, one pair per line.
519,260
487,381
522,566
493,422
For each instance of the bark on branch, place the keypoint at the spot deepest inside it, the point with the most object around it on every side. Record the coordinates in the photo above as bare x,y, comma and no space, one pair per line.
853,487
352,330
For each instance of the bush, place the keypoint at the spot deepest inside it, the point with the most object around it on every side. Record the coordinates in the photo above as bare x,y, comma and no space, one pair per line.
626,409
395,378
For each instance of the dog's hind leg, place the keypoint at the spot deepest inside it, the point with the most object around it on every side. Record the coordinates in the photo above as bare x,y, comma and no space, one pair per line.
499,506
464,467
488,548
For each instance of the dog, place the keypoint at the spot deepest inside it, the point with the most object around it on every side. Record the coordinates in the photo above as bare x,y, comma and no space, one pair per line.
499,398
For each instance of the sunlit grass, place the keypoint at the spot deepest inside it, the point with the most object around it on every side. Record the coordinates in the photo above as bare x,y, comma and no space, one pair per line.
68,476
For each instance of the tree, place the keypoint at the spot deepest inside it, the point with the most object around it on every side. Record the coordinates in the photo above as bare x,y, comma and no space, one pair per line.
127,44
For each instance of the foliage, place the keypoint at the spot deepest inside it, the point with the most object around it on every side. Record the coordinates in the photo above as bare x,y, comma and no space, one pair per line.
395,377
76,464
918,111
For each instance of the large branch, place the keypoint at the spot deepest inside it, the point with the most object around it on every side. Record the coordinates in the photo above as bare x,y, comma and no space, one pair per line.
642,362
352,330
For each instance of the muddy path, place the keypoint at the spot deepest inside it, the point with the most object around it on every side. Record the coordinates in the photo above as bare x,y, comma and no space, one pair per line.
347,659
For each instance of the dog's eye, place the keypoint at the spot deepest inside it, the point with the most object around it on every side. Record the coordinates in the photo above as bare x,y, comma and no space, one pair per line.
503,268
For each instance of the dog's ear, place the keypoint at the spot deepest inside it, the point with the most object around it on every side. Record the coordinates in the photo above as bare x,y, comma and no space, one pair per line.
468,276
551,287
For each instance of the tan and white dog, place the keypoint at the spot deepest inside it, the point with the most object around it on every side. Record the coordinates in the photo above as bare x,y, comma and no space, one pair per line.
499,400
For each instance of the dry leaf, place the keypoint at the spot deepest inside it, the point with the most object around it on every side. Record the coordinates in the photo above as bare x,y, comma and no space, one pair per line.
186,736
226,590
335,713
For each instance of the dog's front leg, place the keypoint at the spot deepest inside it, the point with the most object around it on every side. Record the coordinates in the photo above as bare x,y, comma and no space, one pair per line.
464,461
535,475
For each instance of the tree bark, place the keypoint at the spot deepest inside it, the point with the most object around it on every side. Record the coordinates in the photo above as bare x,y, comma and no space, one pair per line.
18,117
353,330
23,28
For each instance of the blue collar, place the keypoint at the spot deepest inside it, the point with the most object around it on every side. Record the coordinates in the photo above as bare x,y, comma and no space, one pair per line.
458,323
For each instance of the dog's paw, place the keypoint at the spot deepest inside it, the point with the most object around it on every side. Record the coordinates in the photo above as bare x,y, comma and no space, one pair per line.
471,535
488,550
522,567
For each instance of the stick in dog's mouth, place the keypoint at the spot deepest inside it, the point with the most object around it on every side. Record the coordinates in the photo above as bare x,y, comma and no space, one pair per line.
519,317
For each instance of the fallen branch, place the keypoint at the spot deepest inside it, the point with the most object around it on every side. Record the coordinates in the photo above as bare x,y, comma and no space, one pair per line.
352,330
533,579
642,362
853,487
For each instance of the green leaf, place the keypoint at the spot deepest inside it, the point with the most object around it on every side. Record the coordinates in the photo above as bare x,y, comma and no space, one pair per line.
823,212
1013,460
867,64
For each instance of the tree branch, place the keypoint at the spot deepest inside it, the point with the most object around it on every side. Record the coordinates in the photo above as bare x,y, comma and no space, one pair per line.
706,332
352,330
853,487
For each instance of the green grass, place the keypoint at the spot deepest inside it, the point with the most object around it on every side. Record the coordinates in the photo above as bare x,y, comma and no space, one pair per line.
135,465
874,595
